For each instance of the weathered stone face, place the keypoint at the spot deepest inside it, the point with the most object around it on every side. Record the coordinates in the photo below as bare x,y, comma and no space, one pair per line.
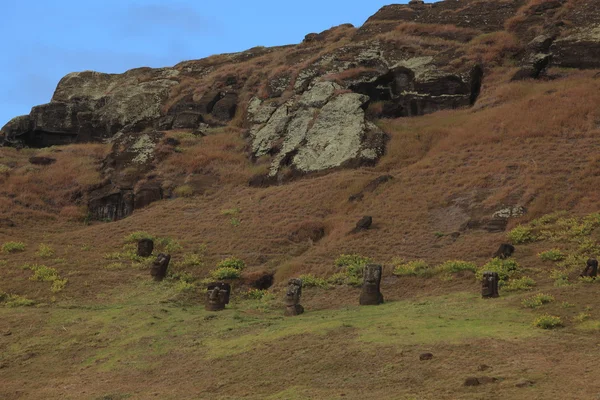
160,266
145,247
292,298
591,268
504,251
217,296
371,294
489,285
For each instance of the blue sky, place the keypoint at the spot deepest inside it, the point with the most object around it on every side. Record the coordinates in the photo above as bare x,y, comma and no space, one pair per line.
43,40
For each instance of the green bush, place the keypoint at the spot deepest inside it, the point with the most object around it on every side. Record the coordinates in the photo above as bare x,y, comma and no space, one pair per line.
521,234
232,262
167,245
537,301
225,273
505,268
43,274
138,235
184,191
257,294
310,280
58,285
582,316
13,247
45,251
231,211
456,266
566,304
413,268
547,321
354,266
46,274
552,255
13,300
587,279
524,283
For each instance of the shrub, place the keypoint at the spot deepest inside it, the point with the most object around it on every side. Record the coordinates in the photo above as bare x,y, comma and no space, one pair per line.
310,280
225,273
235,222
13,300
184,191
233,263
58,285
192,260
505,268
182,286
13,247
537,301
561,278
168,245
413,268
547,321
582,316
114,266
231,211
43,273
552,255
521,234
524,283
587,279
138,235
256,294
45,251
566,304
456,266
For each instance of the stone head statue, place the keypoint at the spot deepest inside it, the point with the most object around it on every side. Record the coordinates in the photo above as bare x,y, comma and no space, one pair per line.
489,284
371,294
160,266
294,291
217,296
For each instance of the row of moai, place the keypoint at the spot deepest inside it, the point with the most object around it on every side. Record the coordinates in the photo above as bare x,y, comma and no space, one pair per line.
218,293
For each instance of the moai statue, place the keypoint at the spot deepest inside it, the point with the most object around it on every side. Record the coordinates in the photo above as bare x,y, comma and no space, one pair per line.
489,285
371,295
217,296
145,247
292,298
159,267
363,224
591,268
504,251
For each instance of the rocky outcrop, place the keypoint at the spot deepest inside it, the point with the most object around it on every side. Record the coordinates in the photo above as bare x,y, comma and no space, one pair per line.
92,106
318,130
580,49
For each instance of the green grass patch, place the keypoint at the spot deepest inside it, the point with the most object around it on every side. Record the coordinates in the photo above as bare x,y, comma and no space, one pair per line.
45,251
413,268
552,255
454,266
524,283
505,268
547,321
537,300
13,247
309,280
521,235
225,273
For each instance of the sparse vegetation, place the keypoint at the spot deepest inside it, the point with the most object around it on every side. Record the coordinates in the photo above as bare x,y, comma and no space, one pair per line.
413,268
521,235
552,255
548,321
524,283
537,300
456,266
309,280
13,247
506,268
45,251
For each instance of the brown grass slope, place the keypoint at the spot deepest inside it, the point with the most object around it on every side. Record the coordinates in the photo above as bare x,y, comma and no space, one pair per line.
110,334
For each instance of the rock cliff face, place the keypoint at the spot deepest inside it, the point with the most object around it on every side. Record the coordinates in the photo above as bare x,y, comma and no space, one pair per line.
313,106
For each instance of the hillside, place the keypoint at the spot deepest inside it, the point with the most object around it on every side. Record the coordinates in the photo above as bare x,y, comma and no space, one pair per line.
457,126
